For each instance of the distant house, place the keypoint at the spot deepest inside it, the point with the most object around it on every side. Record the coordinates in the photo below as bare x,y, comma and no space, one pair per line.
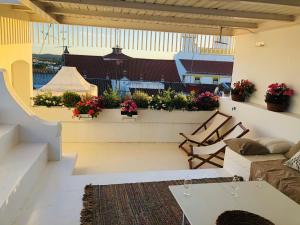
207,72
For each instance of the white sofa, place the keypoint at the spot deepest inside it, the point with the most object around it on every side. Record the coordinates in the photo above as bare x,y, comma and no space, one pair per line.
237,164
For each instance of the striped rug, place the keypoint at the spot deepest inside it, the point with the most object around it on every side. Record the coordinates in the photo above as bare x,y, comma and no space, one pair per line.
149,203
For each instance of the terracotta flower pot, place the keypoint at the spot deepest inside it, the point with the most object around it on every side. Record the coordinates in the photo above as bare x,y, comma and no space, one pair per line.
277,107
238,98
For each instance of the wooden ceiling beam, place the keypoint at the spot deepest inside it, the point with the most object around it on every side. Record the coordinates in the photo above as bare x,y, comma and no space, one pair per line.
293,3
163,19
39,9
180,9
139,25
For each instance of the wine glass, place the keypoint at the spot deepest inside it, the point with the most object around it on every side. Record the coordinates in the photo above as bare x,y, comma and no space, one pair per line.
235,186
259,183
187,186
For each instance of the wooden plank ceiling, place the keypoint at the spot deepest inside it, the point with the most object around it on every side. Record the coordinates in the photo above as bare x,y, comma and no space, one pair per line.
185,16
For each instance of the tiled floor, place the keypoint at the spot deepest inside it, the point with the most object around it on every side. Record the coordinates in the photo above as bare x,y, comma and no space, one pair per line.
95,158
56,199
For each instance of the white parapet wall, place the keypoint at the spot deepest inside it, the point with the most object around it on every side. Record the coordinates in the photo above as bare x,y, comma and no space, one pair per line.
261,122
150,126
32,129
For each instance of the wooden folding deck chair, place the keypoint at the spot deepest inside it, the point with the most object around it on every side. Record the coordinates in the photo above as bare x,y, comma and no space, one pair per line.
215,149
206,131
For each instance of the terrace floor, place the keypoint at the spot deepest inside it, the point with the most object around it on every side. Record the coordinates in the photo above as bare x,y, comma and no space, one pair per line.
96,158
56,198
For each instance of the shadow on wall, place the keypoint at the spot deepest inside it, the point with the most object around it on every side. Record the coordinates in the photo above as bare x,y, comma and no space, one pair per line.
20,80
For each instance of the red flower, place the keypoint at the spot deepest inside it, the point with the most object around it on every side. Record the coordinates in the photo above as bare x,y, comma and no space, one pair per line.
75,112
91,112
289,92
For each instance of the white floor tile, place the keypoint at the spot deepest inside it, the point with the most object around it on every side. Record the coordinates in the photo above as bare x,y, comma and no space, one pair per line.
56,199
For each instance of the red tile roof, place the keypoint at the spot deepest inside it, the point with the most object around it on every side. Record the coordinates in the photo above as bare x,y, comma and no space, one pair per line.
208,67
132,68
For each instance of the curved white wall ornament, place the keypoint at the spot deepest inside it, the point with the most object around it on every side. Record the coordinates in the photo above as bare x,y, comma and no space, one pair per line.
32,128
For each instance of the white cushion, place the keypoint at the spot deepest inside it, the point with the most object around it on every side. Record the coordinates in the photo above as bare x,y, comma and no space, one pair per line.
294,162
275,145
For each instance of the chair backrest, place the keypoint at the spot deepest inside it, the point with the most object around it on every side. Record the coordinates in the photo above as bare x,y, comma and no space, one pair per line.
216,121
235,132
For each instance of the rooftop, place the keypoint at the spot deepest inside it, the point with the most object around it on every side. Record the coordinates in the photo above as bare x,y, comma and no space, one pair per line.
208,67
131,68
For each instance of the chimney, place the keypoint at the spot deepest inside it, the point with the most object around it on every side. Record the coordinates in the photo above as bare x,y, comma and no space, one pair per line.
66,51
117,50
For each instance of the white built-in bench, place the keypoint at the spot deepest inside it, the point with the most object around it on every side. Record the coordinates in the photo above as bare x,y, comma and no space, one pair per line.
237,164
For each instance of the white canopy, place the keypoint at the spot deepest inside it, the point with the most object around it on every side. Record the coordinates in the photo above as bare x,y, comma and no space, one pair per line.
69,79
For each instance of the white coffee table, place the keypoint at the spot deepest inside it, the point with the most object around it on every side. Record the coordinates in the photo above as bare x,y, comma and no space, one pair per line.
208,201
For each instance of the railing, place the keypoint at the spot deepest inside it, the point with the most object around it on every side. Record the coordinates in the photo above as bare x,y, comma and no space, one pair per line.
14,31
101,37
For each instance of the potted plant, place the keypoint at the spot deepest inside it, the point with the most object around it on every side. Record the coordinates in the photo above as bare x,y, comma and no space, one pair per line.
88,108
70,99
141,99
207,101
111,99
47,99
278,97
129,109
180,101
242,90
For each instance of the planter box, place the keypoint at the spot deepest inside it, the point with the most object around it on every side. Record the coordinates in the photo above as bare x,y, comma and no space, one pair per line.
238,98
277,107
84,116
133,117
109,126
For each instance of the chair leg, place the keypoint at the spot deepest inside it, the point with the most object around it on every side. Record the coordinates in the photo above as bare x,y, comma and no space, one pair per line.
182,143
190,160
204,161
186,151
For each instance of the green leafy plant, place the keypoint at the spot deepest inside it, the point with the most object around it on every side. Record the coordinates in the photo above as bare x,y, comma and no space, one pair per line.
156,102
141,98
70,99
167,98
47,99
163,100
180,101
111,99
191,104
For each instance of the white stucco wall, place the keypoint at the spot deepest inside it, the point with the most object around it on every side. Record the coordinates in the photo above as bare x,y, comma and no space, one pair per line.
32,129
150,126
261,122
277,61
16,59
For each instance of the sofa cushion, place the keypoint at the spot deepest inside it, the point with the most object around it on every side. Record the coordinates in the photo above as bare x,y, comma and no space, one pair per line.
246,146
293,150
275,145
294,162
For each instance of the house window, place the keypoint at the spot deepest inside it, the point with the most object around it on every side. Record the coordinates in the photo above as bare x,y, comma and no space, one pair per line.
215,80
197,80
